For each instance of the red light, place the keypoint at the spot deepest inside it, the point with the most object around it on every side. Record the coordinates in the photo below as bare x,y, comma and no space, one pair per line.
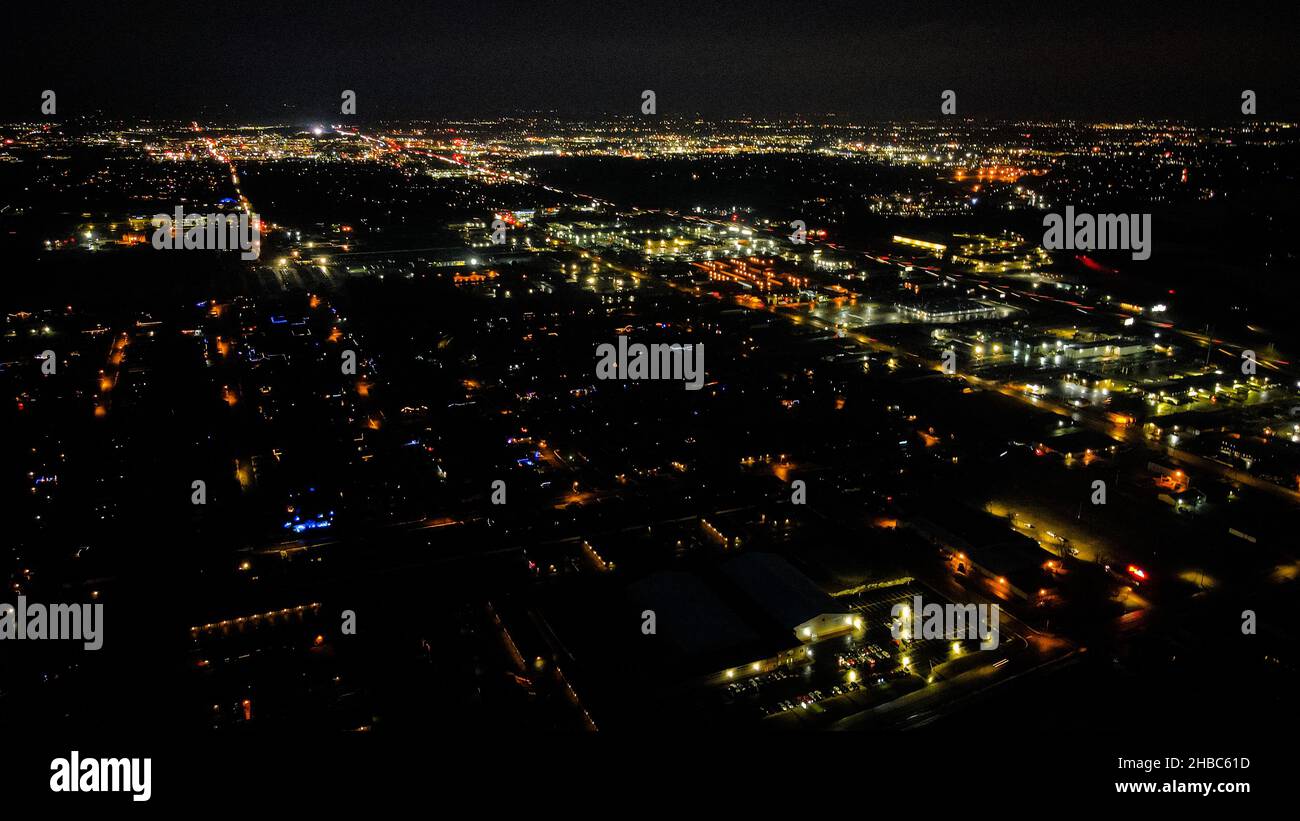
1137,571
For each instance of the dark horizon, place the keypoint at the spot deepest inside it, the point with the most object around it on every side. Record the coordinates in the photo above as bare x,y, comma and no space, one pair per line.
1008,60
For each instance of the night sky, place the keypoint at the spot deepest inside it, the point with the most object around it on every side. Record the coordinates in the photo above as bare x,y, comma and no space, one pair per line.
861,59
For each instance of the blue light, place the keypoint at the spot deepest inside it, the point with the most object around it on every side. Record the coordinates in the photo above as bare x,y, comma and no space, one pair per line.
311,525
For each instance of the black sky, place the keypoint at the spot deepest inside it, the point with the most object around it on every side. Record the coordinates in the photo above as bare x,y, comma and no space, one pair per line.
862,59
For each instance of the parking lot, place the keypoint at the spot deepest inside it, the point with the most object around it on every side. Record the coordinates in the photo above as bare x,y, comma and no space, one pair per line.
849,673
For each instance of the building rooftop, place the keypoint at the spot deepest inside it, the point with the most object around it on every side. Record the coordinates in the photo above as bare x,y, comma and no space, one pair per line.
775,587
